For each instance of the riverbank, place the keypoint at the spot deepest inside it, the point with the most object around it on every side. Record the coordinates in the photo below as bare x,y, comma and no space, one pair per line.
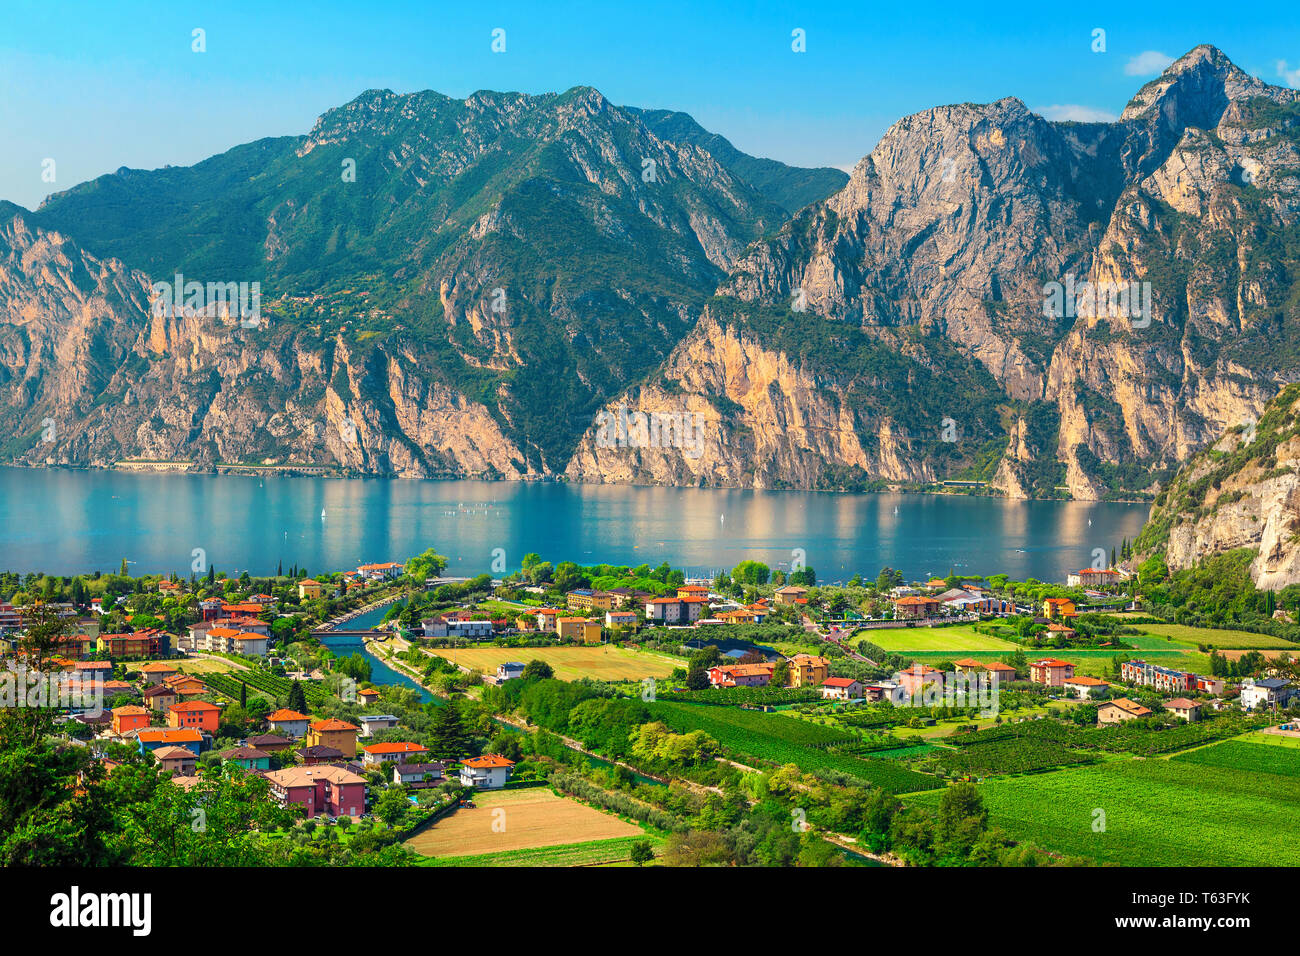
334,623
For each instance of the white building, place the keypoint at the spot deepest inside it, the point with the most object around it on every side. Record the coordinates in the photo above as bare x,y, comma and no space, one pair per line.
373,723
1268,692
841,688
489,772
510,670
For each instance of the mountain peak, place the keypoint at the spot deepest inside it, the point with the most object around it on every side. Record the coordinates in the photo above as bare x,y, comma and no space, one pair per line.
1194,90
1202,56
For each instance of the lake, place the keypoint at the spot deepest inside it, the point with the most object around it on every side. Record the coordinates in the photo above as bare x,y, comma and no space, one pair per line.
64,521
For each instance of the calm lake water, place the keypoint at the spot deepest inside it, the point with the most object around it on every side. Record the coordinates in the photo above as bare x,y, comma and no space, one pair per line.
63,521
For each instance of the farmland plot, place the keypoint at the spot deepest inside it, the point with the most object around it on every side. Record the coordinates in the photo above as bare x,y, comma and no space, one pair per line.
1156,813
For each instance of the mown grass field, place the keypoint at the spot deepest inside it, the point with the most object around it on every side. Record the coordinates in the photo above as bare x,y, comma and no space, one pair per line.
602,662
1221,639
1157,813
615,852
1271,740
509,820
203,665
958,637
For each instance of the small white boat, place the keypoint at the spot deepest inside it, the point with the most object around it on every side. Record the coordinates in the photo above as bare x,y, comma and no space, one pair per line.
322,512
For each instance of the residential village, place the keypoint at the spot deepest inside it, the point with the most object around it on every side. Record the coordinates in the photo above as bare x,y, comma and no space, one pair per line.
901,686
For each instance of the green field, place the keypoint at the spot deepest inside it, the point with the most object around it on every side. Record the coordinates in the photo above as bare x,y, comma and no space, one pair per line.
959,637
1272,740
1221,639
754,734
1092,662
591,853
1247,757
1157,813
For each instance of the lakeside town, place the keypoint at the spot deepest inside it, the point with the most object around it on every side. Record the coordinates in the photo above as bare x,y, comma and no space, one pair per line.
622,715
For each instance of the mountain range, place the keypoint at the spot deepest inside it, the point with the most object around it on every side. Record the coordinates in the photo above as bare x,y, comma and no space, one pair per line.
462,287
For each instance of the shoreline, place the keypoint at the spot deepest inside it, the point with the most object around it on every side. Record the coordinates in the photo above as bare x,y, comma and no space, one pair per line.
309,470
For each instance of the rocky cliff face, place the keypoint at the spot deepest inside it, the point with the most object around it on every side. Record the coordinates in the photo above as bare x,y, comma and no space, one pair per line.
474,287
1130,287
1209,228
751,417
524,257
1242,492
91,375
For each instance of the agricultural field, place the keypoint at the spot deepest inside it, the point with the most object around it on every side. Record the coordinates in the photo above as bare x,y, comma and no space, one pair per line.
1247,757
528,819
1157,813
1269,739
1026,755
607,662
958,637
1092,662
1220,639
615,852
782,740
204,665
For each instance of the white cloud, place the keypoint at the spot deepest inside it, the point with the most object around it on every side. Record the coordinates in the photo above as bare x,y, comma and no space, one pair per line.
1148,63
1062,112
1292,77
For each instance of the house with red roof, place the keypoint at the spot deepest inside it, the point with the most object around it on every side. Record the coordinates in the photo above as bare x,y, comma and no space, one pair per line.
1050,672
915,607
741,675
178,761
791,594
320,789
1054,608
841,688
916,677
392,752
334,733
387,570
152,738
1001,673
1085,686
198,714
1188,710
488,772
289,722
127,719
1119,710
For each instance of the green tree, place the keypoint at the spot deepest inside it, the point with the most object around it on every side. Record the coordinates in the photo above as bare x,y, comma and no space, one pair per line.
427,564
697,679
392,806
538,670
751,572
448,738
642,852
962,818
297,698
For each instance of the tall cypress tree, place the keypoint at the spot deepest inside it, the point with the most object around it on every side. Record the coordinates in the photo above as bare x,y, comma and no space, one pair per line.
297,698
448,736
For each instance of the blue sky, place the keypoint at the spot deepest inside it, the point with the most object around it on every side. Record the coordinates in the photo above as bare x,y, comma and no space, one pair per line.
95,86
